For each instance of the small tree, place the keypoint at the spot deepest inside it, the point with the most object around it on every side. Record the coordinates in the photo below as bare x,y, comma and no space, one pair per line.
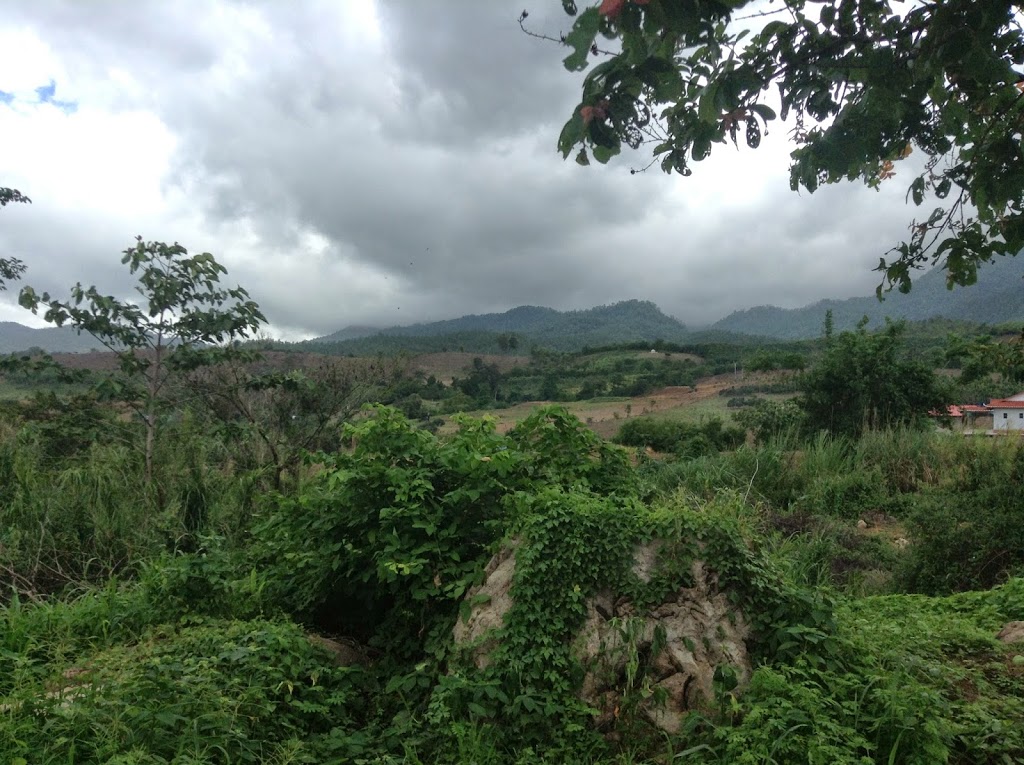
184,312
290,411
863,381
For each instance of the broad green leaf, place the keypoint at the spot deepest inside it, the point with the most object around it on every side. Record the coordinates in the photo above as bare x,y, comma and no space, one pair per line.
581,38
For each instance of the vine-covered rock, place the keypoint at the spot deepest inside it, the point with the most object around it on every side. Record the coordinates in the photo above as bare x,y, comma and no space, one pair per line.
671,655
684,645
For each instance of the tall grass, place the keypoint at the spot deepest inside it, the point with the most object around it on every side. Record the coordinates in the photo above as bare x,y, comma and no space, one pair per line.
86,519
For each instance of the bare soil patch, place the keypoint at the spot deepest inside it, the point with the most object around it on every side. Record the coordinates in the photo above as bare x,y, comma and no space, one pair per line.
447,366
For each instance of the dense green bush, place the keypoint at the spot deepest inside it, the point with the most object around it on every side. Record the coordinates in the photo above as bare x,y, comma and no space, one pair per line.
771,419
677,437
969,540
395,531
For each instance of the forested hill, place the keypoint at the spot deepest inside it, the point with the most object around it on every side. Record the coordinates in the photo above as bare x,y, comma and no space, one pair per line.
997,297
16,337
628,321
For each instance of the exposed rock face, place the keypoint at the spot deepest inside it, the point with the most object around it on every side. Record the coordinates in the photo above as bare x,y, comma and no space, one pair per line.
1012,632
345,654
491,614
673,648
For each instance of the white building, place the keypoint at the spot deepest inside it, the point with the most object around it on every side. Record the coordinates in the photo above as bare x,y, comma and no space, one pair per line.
1008,413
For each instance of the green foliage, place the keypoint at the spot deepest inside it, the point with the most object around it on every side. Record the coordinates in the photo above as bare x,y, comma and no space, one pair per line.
74,513
968,537
771,419
562,451
818,551
682,438
77,522
213,692
953,681
765,360
64,428
481,383
403,523
873,83
985,356
862,382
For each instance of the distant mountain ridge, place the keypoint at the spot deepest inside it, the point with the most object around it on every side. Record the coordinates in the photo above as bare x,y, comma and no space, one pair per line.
627,321
997,297
522,319
16,337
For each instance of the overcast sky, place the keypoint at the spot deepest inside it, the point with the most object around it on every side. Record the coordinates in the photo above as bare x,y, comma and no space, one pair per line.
369,162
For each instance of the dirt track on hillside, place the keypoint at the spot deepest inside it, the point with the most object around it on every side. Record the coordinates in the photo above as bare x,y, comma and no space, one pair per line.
606,417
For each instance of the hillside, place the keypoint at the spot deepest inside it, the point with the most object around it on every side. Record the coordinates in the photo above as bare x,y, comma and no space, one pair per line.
16,337
628,321
997,297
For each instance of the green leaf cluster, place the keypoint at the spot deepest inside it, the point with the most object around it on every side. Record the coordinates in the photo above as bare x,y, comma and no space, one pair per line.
867,83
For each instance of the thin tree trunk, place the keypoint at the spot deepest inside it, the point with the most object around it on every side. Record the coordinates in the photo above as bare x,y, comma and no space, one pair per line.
154,390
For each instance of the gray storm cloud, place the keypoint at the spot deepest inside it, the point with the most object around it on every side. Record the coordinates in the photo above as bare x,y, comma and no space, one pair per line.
355,169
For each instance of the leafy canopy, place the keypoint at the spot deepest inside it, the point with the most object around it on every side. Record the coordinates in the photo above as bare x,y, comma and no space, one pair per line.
864,381
866,81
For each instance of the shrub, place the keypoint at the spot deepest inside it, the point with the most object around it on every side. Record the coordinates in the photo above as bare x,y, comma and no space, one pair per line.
965,541
386,540
683,438
240,692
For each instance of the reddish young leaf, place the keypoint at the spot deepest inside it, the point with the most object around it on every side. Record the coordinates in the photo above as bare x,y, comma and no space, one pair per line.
598,112
611,8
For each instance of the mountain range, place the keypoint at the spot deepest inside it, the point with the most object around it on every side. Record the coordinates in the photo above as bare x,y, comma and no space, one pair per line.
996,298
16,337
628,321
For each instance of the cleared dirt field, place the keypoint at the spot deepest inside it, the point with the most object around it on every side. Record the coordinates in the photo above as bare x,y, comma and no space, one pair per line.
605,416
447,366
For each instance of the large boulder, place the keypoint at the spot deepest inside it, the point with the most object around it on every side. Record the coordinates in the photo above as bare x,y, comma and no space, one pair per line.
490,601
1012,632
669,653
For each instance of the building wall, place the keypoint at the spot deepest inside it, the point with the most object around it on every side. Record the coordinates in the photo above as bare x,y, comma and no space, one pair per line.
1008,419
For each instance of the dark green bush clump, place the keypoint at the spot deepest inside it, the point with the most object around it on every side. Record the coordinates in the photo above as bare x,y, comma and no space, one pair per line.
682,438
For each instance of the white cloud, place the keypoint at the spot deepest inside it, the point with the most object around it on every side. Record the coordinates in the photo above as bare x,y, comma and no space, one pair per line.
383,162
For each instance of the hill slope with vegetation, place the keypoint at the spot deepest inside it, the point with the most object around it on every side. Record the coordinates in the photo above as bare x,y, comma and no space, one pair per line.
16,337
997,298
627,321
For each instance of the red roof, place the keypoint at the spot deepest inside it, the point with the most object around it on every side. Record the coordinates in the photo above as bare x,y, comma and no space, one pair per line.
973,409
1006,403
